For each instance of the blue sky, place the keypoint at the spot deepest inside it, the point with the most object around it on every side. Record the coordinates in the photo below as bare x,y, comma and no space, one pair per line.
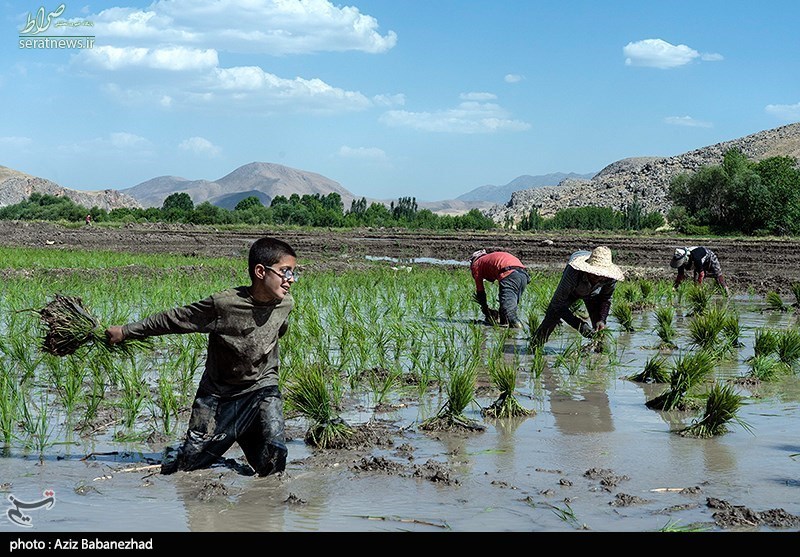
389,98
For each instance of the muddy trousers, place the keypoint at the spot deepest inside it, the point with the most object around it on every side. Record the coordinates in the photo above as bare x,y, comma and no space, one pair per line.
254,420
511,289
553,317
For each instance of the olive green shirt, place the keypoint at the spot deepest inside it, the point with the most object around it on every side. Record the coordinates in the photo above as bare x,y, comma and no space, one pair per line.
242,337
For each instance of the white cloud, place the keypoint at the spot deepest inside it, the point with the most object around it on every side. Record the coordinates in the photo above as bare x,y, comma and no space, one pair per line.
254,84
124,140
787,112
274,27
656,53
389,100
183,40
171,59
365,153
468,117
711,57
199,146
247,87
687,121
512,78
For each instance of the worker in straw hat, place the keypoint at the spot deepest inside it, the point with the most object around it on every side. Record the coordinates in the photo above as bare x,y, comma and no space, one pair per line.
702,261
590,276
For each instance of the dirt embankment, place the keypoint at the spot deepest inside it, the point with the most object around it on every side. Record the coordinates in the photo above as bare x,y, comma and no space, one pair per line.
760,264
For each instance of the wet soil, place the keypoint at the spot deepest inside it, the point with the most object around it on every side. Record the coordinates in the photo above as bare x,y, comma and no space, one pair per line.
757,264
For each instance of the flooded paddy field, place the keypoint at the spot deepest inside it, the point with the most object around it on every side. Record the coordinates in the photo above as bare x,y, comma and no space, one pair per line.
590,457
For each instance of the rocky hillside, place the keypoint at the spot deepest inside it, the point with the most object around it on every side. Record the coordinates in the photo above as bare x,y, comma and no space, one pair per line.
16,187
644,178
269,179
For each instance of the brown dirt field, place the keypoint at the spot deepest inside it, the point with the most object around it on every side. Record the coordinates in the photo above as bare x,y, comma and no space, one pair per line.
760,264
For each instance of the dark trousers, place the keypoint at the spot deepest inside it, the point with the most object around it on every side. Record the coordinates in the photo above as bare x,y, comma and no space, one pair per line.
552,319
254,420
511,289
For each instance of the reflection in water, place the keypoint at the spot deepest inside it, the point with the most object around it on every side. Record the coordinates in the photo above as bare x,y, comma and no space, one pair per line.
506,432
717,456
583,411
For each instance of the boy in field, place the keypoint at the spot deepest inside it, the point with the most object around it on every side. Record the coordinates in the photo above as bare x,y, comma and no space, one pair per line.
237,399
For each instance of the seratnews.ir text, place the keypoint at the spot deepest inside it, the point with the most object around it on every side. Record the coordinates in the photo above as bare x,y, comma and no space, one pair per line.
56,42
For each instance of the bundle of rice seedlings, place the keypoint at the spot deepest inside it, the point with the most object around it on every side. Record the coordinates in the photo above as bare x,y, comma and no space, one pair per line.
766,342
601,341
460,389
665,328
689,371
623,313
731,329
307,393
722,405
655,371
788,348
775,302
705,327
504,377
699,297
766,368
70,326
631,294
647,290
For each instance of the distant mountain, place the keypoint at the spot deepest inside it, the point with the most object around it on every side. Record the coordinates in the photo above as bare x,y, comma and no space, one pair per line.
501,194
645,179
268,179
16,187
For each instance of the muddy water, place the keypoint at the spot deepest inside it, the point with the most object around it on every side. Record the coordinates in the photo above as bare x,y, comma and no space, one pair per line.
518,475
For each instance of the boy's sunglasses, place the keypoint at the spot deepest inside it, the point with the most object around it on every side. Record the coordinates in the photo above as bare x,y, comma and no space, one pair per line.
285,274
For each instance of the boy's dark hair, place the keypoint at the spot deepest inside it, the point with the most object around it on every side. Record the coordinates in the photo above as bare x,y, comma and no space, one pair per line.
267,251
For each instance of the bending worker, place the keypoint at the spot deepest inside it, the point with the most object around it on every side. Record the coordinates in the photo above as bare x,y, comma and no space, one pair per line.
588,276
511,276
702,261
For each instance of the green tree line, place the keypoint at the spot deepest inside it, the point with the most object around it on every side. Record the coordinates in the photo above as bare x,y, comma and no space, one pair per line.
308,210
754,198
594,218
